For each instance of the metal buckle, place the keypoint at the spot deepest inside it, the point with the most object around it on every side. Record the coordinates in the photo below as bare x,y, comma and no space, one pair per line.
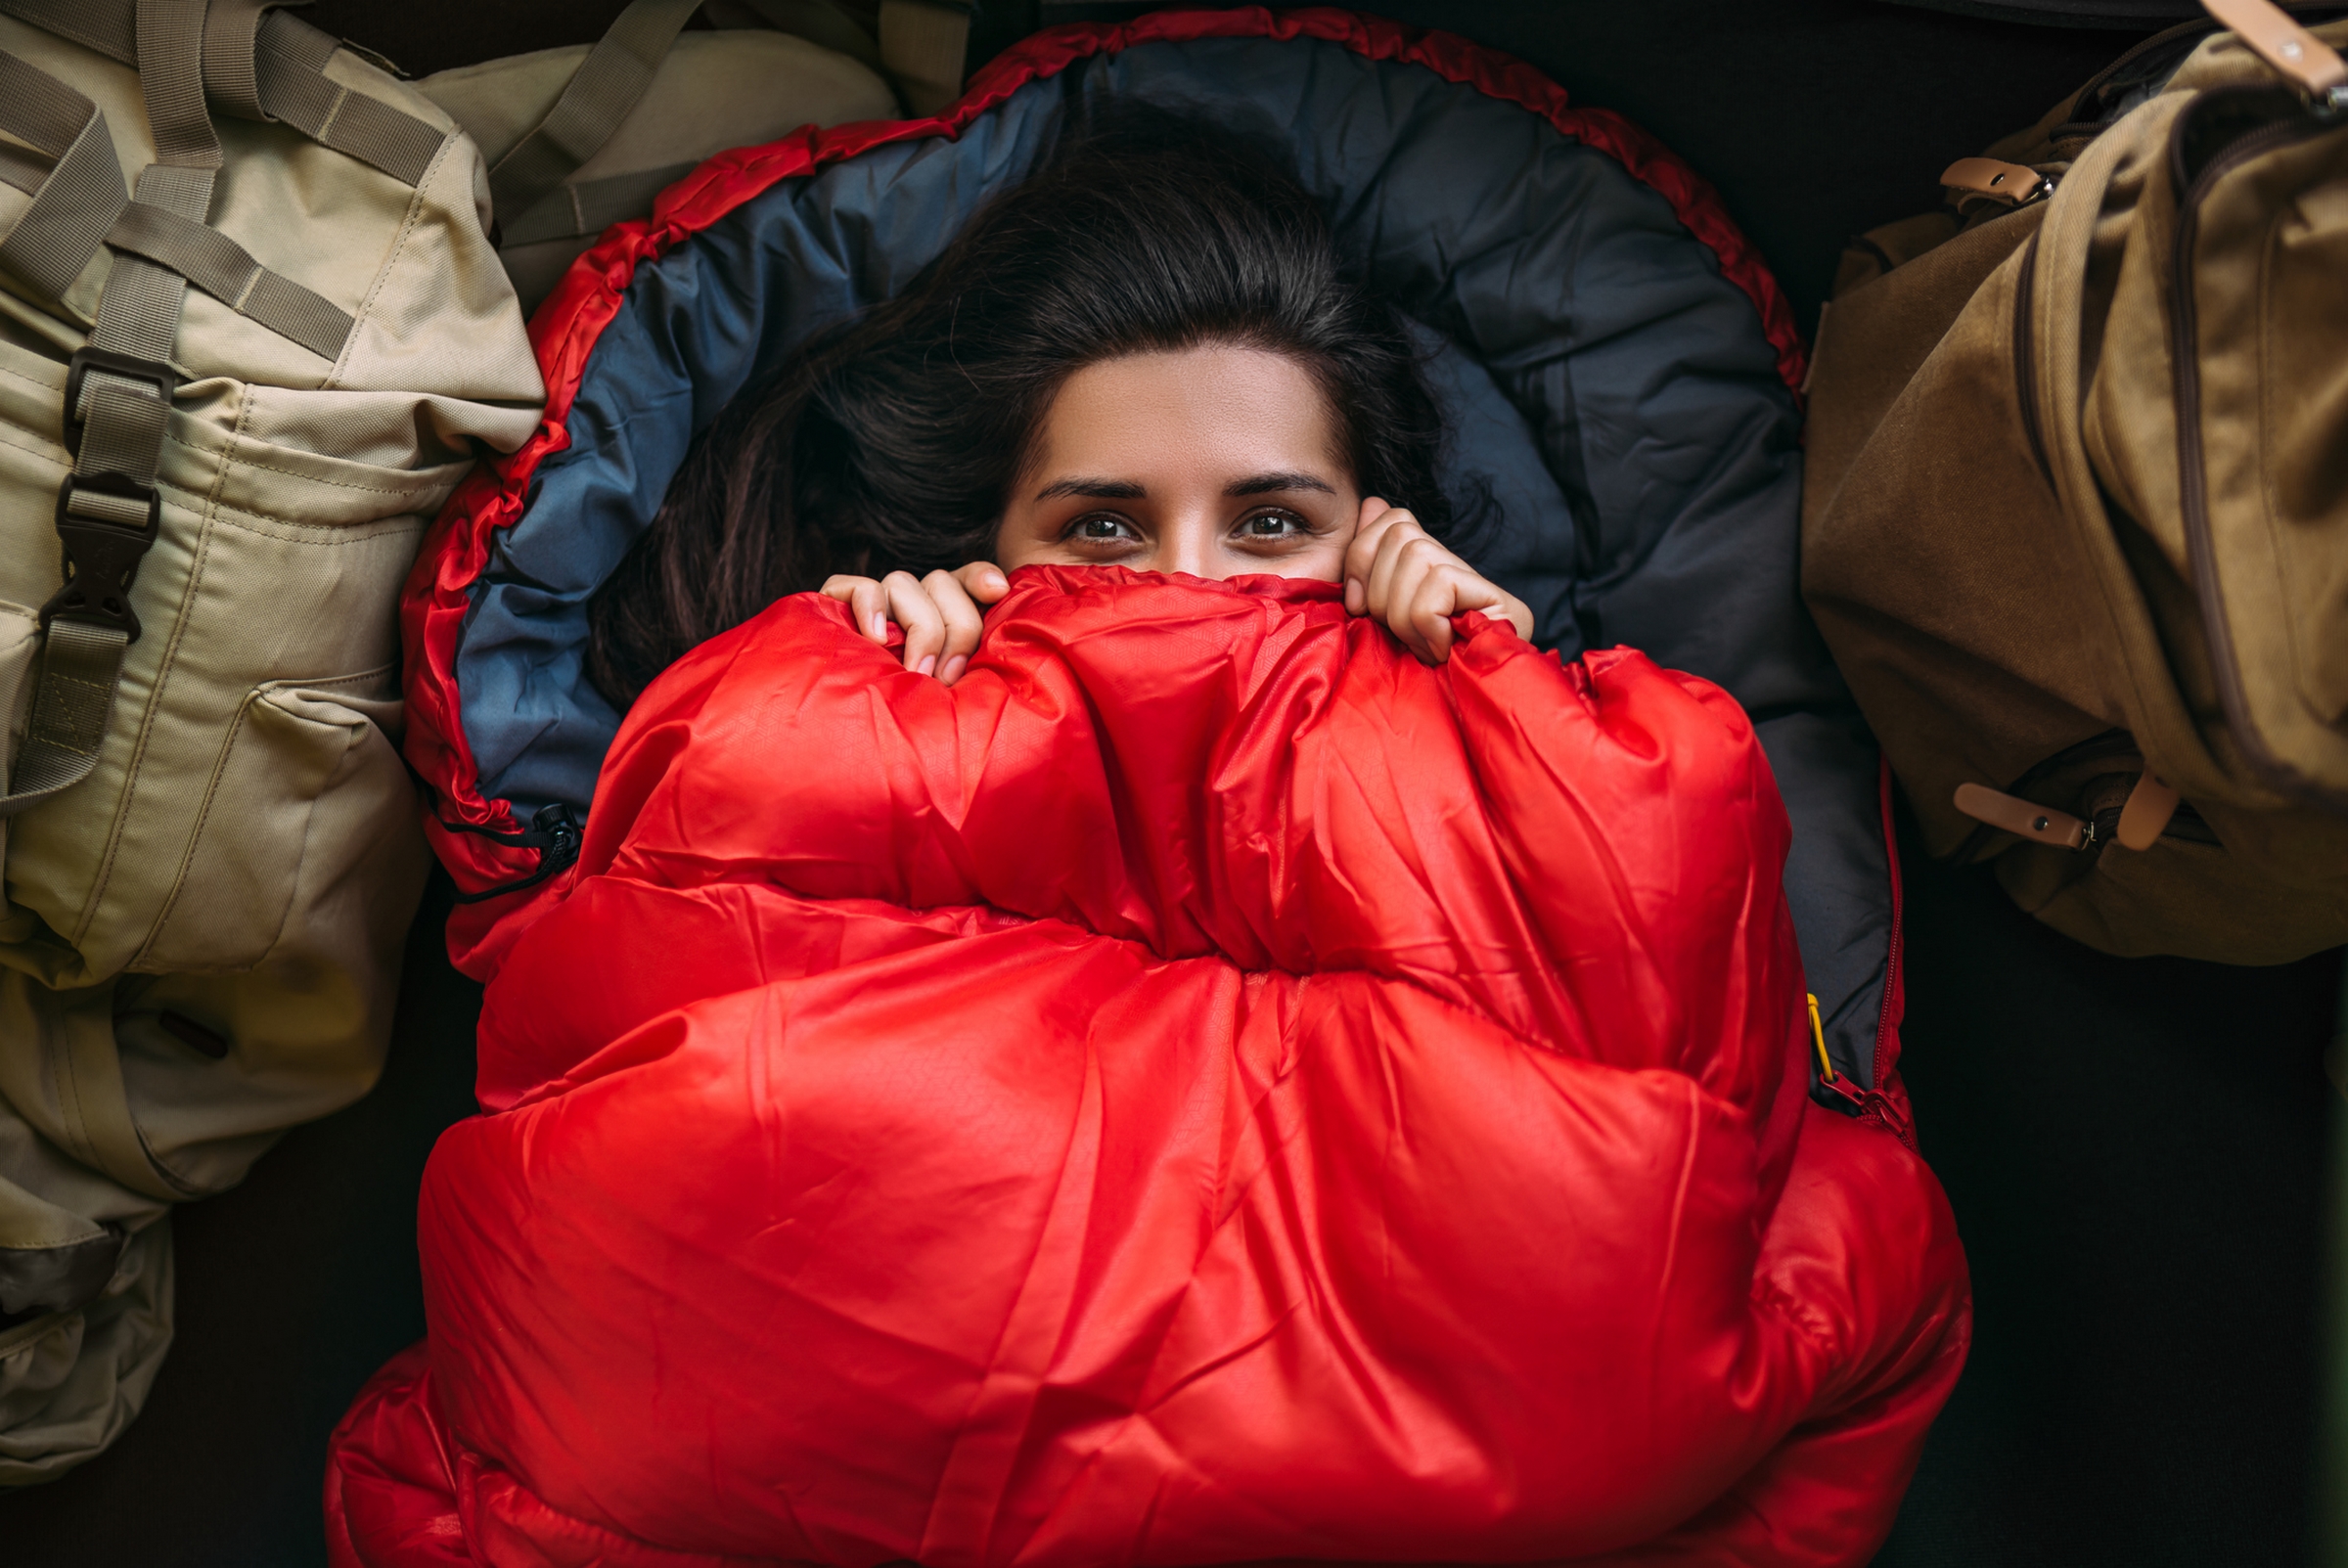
162,378
102,558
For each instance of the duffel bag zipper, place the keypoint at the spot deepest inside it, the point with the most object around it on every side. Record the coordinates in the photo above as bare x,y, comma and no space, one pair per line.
2025,385
2185,371
2010,810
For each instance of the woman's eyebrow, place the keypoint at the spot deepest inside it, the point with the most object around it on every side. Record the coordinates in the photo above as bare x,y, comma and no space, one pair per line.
1266,483
1098,489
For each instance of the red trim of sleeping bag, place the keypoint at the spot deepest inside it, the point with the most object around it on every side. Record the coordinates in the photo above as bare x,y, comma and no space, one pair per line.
568,325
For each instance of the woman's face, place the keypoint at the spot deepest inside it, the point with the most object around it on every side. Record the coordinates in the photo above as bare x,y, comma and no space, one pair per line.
1218,462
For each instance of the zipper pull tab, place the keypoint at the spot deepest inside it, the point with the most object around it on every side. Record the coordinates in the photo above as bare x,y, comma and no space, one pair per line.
2151,805
2013,184
2269,33
2042,824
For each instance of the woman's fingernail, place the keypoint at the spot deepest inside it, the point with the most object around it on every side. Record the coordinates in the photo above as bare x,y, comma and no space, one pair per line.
928,665
954,669
879,628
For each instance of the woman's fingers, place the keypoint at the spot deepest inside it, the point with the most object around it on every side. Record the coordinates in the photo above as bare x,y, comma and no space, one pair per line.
866,601
983,580
960,613
1403,576
912,608
940,613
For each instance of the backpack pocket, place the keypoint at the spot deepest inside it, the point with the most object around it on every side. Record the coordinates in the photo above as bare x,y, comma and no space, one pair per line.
261,841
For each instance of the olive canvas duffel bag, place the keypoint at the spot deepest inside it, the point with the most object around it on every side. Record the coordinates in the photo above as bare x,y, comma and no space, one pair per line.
2076,510
252,333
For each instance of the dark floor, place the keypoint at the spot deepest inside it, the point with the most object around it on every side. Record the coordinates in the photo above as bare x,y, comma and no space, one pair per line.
2135,1148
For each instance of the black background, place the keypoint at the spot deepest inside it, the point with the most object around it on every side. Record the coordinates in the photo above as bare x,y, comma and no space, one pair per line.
2135,1148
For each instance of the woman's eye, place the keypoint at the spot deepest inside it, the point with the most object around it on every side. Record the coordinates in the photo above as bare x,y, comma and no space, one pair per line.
1101,527
1271,525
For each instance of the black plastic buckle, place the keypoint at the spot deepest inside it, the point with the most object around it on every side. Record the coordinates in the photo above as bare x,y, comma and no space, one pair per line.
162,378
102,558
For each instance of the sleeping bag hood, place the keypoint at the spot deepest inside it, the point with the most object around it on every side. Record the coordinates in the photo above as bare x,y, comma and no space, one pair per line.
1206,1087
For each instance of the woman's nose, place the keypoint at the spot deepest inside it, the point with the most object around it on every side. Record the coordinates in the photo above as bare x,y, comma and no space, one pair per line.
1187,543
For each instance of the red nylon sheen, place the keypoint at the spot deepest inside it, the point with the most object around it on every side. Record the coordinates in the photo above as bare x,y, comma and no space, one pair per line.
566,325
1205,1089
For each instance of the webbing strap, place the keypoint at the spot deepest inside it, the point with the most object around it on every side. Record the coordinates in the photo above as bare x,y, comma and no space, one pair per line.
232,30
281,78
120,399
224,269
587,207
599,96
289,67
75,198
80,667
820,21
110,26
170,41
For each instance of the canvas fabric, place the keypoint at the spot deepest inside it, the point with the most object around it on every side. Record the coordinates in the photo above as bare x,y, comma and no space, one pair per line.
2075,508
200,939
710,90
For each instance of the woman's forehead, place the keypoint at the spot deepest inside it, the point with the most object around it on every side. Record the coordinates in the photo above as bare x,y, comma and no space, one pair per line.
1244,420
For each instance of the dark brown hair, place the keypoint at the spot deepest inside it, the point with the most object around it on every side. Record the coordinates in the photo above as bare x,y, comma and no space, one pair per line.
894,440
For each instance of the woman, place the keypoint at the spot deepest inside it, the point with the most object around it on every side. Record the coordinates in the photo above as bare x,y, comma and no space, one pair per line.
1184,1082
1148,355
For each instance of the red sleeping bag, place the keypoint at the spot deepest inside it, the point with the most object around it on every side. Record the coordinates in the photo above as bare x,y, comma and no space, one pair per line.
1205,1089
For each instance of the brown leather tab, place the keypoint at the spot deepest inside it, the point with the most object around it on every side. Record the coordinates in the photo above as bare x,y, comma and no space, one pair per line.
2032,820
2283,43
2010,183
2151,805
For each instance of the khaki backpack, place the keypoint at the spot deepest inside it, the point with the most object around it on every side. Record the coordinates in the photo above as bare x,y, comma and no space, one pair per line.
252,333
580,138
2076,516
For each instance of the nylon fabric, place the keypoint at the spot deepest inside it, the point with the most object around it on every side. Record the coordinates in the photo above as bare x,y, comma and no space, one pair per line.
1206,1087
1628,422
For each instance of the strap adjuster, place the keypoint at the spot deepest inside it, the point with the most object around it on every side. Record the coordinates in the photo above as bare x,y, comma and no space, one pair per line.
102,558
162,378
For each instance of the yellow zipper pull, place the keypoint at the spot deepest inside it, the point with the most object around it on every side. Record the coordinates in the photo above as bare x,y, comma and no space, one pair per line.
1818,1039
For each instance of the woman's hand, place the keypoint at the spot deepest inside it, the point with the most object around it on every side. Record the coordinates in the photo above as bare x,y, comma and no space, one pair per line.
1397,572
940,613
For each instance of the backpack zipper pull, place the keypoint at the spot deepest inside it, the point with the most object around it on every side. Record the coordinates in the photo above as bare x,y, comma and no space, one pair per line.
2145,815
2013,185
2042,824
2269,32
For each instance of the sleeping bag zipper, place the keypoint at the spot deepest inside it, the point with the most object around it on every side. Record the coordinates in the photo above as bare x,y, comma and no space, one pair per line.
1837,1092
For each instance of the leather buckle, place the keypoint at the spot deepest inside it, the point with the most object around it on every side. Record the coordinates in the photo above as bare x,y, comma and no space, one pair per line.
102,558
162,378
